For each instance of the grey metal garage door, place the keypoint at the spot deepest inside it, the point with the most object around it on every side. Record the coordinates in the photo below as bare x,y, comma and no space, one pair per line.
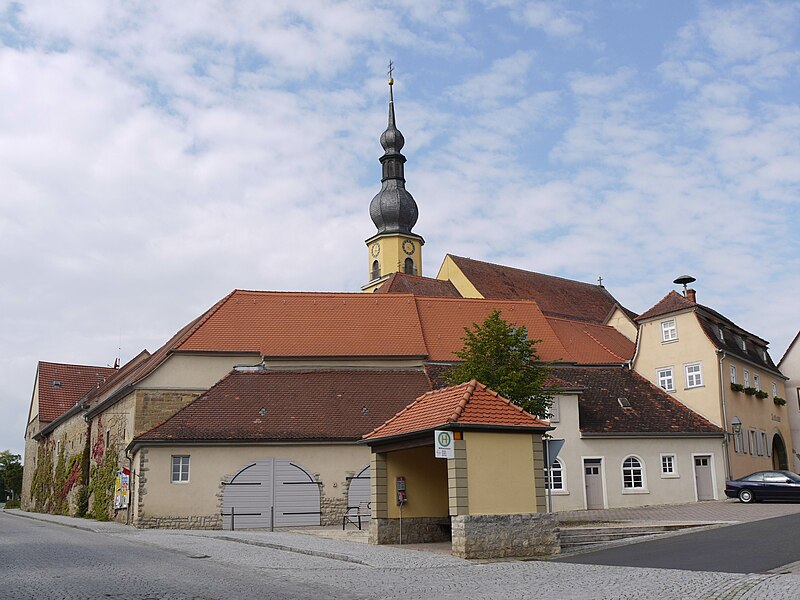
270,493
359,488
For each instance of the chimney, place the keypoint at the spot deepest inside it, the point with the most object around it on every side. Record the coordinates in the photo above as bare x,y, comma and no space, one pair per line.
692,296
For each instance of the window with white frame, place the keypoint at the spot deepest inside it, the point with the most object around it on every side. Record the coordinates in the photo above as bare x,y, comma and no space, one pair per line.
669,331
669,465
554,477
760,439
756,382
694,375
555,410
180,469
733,373
767,448
666,379
774,389
753,441
746,375
632,474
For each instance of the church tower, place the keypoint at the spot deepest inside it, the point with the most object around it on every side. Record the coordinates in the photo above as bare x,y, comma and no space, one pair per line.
394,248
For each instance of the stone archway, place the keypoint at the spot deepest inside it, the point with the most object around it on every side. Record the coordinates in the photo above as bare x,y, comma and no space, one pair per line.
780,461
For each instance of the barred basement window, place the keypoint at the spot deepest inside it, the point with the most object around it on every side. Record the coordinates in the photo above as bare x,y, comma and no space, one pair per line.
180,469
632,474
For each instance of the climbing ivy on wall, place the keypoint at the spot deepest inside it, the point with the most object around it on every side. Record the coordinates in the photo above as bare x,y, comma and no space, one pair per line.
101,485
42,482
59,504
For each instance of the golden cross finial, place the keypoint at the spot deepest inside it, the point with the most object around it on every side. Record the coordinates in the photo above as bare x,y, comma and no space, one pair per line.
391,70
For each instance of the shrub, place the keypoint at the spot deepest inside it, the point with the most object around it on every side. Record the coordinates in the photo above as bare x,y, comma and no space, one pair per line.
761,394
737,387
12,504
750,391
779,401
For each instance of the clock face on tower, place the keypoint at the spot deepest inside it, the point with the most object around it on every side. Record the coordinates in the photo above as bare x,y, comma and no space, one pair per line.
408,246
375,249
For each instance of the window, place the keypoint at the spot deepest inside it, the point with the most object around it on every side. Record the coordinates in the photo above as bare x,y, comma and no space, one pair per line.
180,469
665,379
763,355
632,474
744,344
408,267
694,375
669,465
767,448
774,389
669,331
376,270
555,411
746,378
733,373
756,382
554,477
754,442
108,438
721,335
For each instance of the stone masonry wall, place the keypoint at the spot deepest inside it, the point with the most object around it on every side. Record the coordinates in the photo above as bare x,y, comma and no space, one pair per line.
155,407
416,530
505,536
195,522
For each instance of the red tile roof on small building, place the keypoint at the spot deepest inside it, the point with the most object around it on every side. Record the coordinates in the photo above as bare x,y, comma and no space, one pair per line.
298,405
61,386
305,324
403,283
555,296
652,410
672,302
470,403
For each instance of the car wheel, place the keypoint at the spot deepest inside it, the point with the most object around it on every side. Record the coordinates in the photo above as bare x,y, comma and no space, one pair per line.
746,496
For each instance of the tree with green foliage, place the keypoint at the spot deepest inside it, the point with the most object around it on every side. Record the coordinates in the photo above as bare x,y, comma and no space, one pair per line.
502,357
11,472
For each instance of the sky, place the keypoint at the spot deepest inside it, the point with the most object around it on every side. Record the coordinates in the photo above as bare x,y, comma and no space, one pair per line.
156,155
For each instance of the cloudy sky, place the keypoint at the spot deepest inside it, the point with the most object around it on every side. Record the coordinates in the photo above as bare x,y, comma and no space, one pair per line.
156,155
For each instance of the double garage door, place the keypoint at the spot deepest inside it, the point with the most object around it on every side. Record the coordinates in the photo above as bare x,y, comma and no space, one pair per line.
270,493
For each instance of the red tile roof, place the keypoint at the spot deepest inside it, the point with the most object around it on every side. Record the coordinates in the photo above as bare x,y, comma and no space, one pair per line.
61,386
652,410
444,319
402,283
592,344
299,405
555,296
303,324
470,403
672,302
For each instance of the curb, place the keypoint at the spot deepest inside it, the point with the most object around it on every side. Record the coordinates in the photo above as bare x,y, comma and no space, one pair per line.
319,553
16,512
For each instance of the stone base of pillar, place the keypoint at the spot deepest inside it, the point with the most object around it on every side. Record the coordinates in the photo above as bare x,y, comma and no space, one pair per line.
505,536
416,530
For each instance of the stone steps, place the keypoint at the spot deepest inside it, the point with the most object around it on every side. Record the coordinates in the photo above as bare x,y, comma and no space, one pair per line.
579,538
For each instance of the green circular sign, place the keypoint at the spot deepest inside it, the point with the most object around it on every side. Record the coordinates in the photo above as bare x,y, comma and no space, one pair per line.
444,438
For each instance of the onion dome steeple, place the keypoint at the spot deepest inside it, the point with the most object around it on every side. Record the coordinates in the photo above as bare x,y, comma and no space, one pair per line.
393,209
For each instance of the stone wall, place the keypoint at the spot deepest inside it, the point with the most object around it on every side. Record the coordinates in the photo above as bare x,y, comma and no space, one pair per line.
505,536
196,522
155,407
416,530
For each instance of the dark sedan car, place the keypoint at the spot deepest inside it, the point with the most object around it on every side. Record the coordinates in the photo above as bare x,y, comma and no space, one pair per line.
765,485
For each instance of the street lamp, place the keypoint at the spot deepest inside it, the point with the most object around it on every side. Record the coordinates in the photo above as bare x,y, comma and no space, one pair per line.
737,425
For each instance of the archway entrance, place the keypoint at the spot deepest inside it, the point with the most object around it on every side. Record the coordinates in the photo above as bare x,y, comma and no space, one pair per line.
780,460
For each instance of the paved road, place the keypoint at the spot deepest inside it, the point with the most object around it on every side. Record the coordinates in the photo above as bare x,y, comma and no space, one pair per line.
755,547
41,560
44,560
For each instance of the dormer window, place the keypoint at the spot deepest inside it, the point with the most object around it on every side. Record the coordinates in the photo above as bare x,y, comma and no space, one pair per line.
669,331
744,344
763,355
720,334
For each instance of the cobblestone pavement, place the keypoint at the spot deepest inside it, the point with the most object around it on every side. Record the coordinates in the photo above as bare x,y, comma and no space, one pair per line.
326,568
718,510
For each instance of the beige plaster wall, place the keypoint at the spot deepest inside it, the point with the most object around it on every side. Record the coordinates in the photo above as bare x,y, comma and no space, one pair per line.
500,473
790,366
620,321
691,346
449,271
660,490
392,256
426,483
209,465
195,371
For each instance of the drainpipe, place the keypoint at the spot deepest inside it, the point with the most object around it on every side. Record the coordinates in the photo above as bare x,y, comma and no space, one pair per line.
725,440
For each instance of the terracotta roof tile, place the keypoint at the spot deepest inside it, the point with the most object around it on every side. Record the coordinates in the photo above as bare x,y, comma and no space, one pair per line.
299,405
652,410
592,344
403,283
672,302
469,403
61,386
555,296
311,324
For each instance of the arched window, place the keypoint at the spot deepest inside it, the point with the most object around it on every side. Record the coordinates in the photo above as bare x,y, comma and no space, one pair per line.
632,474
409,267
554,477
376,270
